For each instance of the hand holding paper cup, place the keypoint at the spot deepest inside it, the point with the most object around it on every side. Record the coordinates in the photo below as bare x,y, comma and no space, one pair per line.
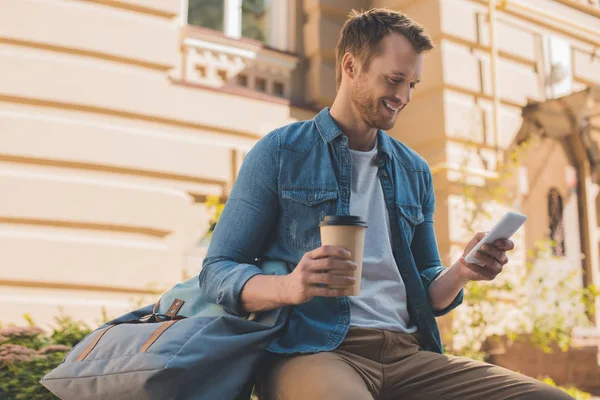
347,231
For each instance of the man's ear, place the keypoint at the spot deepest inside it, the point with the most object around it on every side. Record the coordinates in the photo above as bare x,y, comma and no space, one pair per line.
349,66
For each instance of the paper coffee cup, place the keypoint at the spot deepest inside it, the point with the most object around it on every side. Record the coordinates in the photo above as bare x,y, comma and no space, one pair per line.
347,231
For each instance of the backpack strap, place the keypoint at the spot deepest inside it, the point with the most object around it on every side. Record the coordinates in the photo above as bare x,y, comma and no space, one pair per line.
156,334
175,307
91,346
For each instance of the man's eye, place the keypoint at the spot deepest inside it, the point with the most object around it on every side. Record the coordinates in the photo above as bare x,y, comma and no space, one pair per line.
397,80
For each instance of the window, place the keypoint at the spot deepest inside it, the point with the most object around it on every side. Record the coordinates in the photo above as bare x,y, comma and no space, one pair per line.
236,18
278,89
207,13
558,74
254,15
555,217
261,84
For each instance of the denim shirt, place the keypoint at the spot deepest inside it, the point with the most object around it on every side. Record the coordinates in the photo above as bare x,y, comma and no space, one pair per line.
288,182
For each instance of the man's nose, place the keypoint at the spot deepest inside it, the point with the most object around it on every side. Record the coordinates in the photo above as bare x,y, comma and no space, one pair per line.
404,94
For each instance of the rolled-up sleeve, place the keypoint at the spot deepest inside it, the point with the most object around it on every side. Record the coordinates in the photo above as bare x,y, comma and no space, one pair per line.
247,219
425,249
427,276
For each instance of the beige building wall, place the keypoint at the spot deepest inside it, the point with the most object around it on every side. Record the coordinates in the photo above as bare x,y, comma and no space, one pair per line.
523,30
113,130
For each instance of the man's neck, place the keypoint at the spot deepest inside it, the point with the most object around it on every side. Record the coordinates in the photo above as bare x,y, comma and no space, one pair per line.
361,136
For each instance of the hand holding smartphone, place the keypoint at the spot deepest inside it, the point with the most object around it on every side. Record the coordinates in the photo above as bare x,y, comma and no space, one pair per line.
504,229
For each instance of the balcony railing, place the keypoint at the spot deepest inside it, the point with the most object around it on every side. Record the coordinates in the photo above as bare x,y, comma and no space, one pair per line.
212,59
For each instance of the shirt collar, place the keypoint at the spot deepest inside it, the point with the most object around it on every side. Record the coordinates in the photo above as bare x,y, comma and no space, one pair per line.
327,127
329,130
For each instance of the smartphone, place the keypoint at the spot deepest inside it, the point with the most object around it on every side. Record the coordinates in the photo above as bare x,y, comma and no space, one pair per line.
504,229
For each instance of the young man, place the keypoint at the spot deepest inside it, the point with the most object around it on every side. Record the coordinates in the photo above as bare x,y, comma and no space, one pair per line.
383,344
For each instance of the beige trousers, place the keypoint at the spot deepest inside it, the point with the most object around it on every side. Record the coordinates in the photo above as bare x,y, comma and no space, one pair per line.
377,364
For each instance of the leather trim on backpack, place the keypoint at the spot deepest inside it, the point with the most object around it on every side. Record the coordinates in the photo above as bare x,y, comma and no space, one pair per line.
175,307
91,346
156,334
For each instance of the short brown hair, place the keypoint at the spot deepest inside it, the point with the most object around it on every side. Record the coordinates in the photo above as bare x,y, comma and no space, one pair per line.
363,32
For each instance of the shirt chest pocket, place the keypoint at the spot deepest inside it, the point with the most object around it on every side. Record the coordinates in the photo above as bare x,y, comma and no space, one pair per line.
303,209
409,216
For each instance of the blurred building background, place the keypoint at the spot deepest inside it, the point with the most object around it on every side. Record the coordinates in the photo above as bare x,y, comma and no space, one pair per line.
118,118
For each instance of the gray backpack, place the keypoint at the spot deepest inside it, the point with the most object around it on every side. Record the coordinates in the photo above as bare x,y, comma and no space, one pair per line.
179,348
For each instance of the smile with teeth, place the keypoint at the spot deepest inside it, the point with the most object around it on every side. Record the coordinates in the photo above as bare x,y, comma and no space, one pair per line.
389,106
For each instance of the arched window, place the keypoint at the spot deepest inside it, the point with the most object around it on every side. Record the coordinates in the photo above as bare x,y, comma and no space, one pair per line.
555,218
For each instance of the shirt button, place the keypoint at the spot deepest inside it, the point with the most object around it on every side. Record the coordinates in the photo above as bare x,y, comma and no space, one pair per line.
345,160
310,198
418,310
384,174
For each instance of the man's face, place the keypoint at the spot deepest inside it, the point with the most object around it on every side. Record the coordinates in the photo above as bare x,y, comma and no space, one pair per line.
381,92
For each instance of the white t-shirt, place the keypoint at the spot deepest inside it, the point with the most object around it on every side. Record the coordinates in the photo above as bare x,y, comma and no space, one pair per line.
382,301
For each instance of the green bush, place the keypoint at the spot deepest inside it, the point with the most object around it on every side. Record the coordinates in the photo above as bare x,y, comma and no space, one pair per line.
570,390
29,353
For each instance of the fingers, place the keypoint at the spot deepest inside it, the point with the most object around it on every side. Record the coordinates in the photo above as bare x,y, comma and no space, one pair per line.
504,244
494,252
345,267
489,263
330,251
481,273
326,292
326,271
479,236
331,280
476,239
